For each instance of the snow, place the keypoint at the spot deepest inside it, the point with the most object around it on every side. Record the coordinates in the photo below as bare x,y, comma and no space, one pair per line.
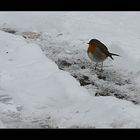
42,65
34,81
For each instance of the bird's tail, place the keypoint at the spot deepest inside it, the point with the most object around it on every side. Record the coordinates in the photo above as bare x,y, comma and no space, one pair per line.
110,55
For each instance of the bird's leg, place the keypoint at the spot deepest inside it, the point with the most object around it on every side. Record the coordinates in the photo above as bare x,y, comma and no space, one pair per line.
102,66
96,66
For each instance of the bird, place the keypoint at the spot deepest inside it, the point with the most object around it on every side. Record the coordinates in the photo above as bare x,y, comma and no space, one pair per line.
98,52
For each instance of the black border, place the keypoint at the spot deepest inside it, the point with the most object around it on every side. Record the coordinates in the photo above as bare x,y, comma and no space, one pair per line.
70,133
70,5
57,5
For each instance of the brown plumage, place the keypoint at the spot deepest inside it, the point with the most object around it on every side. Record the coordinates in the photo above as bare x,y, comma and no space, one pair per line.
98,52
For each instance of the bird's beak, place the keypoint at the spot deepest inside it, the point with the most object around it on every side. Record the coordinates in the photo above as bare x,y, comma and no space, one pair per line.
87,43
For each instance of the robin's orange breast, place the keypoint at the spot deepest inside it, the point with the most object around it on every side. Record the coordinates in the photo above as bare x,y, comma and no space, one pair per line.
95,53
91,48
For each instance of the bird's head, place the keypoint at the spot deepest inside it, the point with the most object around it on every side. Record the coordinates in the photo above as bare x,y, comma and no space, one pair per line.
92,41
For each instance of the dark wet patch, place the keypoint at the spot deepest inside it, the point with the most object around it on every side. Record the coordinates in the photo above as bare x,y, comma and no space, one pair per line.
110,91
120,96
102,94
9,30
102,77
83,67
83,79
117,95
135,102
63,63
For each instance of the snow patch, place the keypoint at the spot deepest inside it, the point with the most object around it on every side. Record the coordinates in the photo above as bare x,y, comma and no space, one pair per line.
34,92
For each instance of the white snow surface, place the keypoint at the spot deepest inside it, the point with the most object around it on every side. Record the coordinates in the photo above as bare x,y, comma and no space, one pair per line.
35,93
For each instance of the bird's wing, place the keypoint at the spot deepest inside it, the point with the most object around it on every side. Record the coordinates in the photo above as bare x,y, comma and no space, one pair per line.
103,48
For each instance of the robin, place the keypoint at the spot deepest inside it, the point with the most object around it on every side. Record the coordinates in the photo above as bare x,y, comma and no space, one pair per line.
98,52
